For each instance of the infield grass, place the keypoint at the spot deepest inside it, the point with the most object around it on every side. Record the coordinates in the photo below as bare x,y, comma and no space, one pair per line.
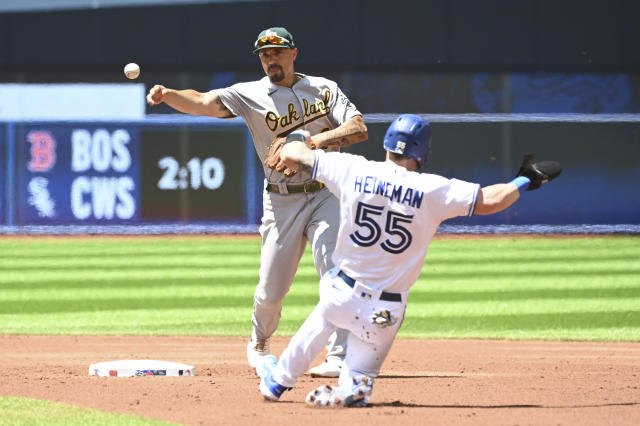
27,411
582,288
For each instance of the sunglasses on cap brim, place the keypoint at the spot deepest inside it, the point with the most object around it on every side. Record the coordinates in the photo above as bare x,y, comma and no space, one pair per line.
272,40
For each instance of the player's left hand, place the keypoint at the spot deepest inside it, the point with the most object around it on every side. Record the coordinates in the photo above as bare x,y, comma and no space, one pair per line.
540,172
274,161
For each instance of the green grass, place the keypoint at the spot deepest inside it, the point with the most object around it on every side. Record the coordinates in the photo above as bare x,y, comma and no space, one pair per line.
519,288
27,411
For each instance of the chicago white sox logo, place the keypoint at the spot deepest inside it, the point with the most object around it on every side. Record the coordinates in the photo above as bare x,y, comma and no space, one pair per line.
43,151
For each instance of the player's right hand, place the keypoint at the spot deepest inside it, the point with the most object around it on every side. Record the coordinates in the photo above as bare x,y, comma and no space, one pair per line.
156,95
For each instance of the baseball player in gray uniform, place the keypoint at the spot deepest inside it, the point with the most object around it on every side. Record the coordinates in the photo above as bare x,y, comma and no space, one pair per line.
388,216
296,208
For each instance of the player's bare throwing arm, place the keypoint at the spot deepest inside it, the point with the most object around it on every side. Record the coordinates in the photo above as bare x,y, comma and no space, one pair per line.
296,208
389,214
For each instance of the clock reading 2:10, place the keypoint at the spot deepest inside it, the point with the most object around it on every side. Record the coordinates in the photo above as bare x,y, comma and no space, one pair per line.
208,173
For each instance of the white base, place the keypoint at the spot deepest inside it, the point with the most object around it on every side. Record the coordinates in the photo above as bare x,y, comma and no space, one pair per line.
140,367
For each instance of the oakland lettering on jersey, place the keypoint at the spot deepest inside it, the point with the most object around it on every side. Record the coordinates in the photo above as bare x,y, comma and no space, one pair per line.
274,120
313,109
373,185
311,112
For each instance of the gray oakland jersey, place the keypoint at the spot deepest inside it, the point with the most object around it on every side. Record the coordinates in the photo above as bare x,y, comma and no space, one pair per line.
315,104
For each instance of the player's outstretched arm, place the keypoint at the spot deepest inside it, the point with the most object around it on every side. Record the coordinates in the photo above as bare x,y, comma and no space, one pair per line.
495,198
189,101
295,152
351,131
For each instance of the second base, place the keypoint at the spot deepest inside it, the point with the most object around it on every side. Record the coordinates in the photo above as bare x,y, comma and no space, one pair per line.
140,367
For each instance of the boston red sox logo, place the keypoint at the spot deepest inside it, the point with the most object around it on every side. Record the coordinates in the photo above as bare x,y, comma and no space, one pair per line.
43,151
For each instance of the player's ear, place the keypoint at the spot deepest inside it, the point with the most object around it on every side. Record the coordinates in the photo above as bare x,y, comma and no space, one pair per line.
295,53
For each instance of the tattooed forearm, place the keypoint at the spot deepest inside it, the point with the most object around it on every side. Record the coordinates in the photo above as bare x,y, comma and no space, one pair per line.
350,132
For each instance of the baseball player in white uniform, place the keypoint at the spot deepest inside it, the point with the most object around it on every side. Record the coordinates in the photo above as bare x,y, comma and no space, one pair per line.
296,208
388,216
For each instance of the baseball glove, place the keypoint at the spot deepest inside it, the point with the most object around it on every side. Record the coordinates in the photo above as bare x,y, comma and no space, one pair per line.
540,172
273,160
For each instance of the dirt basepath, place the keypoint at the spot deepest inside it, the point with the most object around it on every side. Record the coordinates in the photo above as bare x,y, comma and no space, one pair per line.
452,382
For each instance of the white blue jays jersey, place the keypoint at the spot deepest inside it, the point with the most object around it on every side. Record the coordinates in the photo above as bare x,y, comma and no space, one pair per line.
388,216
315,104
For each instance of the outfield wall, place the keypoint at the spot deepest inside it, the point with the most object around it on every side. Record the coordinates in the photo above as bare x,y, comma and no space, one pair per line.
193,172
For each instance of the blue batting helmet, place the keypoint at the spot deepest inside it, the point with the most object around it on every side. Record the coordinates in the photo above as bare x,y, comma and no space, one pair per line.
409,135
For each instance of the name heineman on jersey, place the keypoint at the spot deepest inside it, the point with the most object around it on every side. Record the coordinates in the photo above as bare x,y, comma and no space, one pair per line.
374,185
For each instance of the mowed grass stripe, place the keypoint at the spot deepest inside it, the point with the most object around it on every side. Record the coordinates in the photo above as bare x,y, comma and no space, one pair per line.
186,289
86,292
124,285
101,275
525,294
526,322
97,246
28,411
517,281
584,255
213,321
551,244
157,300
514,272
541,306
111,261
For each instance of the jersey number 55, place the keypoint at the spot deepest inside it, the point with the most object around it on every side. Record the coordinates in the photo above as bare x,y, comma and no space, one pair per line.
370,218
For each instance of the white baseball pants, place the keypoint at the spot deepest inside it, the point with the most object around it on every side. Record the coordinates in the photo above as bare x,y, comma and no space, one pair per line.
349,308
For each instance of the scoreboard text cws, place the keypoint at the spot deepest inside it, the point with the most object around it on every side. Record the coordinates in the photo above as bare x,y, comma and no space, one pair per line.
78,174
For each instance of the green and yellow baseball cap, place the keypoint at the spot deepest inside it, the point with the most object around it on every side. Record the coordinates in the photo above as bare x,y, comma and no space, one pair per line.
274,37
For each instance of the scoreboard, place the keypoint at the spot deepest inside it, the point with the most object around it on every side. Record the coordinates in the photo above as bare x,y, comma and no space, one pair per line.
127,173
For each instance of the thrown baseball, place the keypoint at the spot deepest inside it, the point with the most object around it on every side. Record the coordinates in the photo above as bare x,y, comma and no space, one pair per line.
132,71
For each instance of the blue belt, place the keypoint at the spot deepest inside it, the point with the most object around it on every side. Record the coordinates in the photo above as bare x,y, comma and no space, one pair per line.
385,295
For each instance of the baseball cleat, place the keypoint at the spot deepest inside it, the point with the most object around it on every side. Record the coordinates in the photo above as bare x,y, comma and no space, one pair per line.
256,349
361,389
325,396
265,365
328,396
269,388
329,368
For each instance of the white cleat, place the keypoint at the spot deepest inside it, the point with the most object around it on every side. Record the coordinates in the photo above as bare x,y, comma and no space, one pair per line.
256,350
361,388
325,396
328,396
329,368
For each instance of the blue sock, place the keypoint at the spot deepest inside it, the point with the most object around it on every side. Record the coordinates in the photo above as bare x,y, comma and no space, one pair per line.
522,182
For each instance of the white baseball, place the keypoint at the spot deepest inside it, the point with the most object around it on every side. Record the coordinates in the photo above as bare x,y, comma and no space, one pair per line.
132,71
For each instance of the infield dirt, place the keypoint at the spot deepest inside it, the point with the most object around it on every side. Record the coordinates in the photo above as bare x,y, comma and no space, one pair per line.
423,382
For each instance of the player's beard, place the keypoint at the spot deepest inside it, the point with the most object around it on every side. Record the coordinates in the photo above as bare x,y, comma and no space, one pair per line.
276,73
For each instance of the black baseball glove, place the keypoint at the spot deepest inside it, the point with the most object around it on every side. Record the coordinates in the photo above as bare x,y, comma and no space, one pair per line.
540,172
